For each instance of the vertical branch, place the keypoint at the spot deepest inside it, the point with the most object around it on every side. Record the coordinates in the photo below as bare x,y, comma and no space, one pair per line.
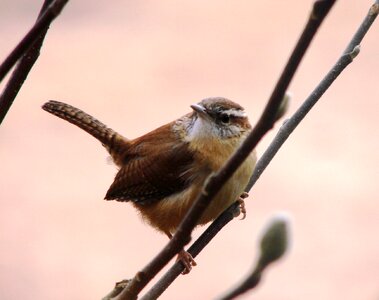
29,49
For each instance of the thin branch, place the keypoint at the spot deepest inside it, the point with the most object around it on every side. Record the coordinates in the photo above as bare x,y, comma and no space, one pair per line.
262,163
51,9
274,244
289,125
29,49
119,286
216,181
194,250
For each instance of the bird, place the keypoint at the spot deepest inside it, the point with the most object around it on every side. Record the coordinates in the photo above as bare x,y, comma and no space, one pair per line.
162,172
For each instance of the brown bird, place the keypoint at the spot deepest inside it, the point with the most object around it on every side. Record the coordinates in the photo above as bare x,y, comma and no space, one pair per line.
162,172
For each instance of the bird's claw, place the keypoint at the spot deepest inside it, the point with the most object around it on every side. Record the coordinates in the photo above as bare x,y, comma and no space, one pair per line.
242,206
187,260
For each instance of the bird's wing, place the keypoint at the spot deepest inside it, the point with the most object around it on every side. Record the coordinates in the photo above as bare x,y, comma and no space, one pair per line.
155,166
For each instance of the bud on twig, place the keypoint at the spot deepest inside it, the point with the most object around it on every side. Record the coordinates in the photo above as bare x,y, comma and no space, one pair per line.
273,245
274,241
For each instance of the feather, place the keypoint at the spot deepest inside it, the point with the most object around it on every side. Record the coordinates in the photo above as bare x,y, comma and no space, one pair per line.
155,166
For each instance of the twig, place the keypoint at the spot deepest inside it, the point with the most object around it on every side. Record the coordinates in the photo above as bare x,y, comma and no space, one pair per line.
262,163
289,125
274,244
119,286
216,181
50,10
194,250
29,49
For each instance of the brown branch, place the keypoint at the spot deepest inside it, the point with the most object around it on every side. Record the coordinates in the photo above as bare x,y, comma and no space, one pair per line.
216,181
194,250
29,48
285,130
289,126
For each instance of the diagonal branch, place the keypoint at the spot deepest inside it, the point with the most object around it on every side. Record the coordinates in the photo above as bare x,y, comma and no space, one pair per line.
29,48
204,239
290,125
216,181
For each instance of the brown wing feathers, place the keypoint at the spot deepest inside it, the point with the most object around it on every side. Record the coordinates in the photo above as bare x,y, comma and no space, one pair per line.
154,169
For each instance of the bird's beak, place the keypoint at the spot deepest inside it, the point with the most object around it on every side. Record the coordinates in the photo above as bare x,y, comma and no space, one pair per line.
200,110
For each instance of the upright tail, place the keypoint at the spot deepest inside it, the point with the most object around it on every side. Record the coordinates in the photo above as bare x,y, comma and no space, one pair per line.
111,140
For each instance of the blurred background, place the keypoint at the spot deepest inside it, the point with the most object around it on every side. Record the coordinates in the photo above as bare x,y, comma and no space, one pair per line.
136,65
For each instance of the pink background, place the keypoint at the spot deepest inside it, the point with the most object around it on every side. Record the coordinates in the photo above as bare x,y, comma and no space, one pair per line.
138,64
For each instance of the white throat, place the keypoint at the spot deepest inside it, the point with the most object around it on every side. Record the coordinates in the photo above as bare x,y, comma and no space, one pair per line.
203,129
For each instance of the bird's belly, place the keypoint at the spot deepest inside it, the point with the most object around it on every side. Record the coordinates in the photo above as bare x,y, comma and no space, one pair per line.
230,192
166,214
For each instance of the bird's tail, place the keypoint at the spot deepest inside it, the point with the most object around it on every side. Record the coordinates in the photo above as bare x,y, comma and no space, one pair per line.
111,140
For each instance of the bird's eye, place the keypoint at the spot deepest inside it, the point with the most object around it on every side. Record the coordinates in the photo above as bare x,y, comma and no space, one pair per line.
225,118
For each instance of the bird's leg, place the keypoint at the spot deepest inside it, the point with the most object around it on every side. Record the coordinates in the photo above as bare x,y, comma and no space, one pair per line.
241,203
185,258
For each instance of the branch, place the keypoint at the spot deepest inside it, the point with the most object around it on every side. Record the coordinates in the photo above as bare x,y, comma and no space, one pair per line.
262,163
29,49
351,51
194,250
217,180
274,244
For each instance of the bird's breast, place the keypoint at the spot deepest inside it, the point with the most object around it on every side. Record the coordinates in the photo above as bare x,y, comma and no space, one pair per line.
214,153
231,191
209,157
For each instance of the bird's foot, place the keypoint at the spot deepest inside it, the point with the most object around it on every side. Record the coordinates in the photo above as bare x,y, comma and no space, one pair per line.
187,260
242,207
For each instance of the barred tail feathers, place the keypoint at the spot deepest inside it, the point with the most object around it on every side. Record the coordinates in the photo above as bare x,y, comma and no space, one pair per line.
110,139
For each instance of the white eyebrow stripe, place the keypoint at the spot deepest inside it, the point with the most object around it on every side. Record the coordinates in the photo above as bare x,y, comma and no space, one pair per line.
235,113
